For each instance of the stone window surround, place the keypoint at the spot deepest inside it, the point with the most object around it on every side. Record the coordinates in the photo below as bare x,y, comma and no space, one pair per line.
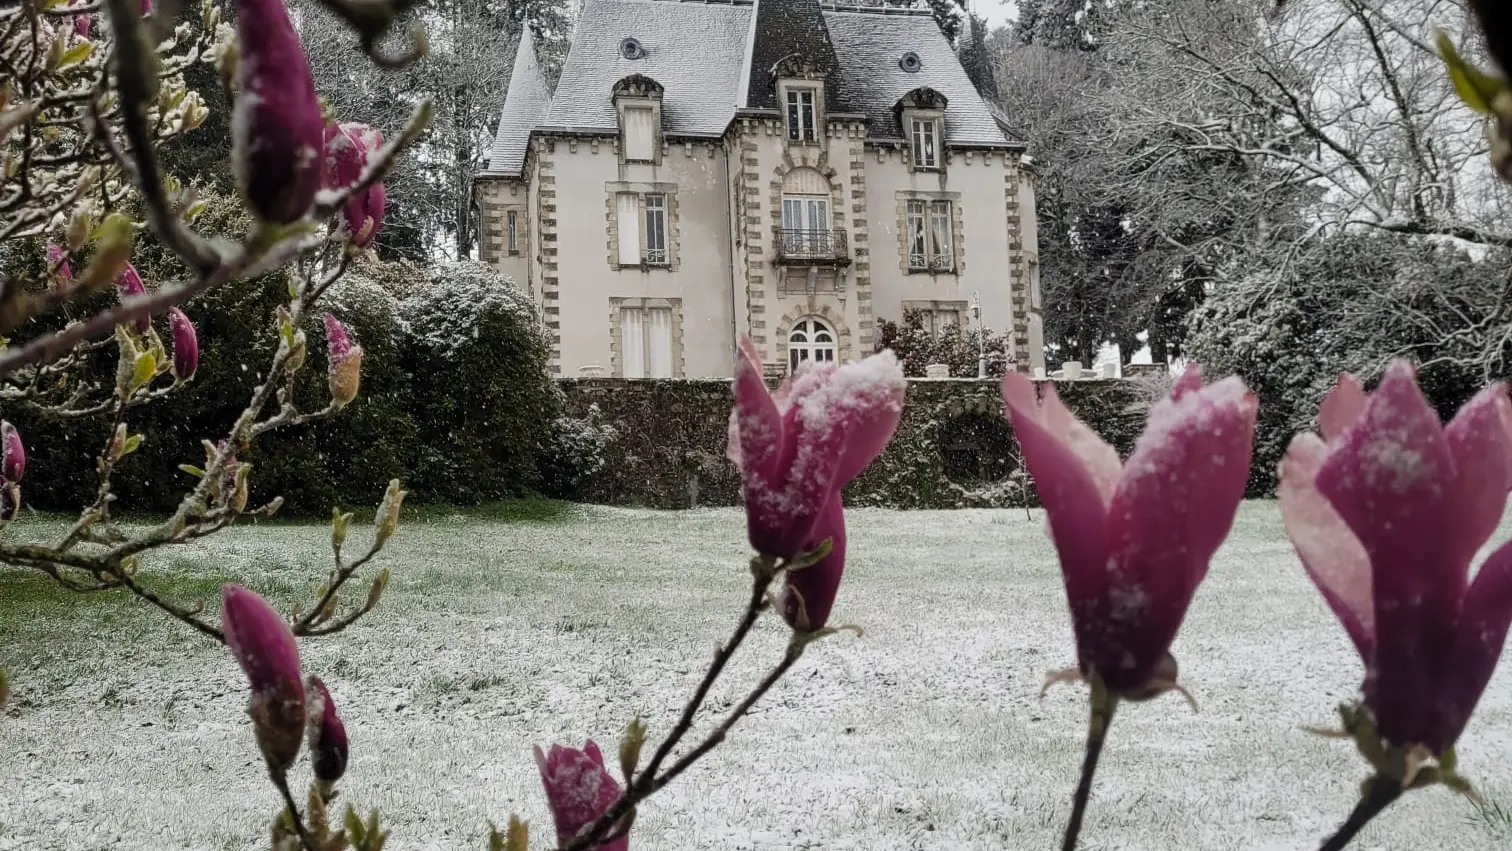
638,91
938,117
814,84
832,315
961,307
616,334
613,189
521,237
957,231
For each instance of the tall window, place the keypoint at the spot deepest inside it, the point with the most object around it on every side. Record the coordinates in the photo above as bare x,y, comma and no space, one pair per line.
805,226
640,134
925,143
800,107
513,218
642,224
944,319
810,339
929,242
656,229
646,335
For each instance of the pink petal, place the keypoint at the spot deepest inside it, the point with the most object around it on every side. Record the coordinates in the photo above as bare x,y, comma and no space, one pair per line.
1098,458
1333,557
1341,407
818,584
868,396
1482,634
1077,514
1172,510
1190,380
1482,455
1392,480
755,422
578,790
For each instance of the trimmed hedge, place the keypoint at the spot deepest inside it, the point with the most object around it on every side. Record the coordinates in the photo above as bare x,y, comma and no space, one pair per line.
671,435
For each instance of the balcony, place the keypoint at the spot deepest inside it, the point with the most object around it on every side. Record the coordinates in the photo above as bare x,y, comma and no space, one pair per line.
812,247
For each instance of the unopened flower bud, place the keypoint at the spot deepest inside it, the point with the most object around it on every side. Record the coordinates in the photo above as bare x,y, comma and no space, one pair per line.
347,149
81,25
238,489
326,735
277,128
128,286
185,345
117,443
387,519
12,453
264,646
57,263
345,370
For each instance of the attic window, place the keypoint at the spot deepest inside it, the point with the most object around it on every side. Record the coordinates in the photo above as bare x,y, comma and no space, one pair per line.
631,49
910,62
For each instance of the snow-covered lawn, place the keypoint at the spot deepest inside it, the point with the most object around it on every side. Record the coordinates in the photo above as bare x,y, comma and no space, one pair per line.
126,729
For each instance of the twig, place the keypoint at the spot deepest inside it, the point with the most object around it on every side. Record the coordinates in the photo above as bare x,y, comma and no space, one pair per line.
281,780
1104,703
1380,792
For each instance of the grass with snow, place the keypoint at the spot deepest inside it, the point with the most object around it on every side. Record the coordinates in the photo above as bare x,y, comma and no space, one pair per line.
499,632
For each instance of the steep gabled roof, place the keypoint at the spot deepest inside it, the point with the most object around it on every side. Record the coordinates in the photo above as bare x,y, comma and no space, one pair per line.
870,46
525,105
712,57
692,49
790,32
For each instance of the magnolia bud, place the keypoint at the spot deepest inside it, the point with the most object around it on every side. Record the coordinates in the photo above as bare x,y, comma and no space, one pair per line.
387,519
326,735
185,345
129,285
57,262
348,147
12,453
277,129
263,645
345,369
112,250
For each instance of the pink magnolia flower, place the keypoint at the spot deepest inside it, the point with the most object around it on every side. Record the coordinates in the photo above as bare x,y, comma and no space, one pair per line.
810,592
128,286
12,453
57,262
81,25
277,128
579,789
347,148
344,372
185,345
1387,515
326,734
263,645
799,447
1135,539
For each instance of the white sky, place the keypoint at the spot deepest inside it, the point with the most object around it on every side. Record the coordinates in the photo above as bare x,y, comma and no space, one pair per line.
997,12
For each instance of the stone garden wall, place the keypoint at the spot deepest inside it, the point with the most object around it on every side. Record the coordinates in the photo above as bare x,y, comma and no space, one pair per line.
953,448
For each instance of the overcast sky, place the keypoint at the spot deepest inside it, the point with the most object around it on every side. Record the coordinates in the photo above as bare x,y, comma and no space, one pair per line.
997,12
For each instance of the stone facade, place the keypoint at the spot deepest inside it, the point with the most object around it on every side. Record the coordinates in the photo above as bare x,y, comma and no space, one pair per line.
810,221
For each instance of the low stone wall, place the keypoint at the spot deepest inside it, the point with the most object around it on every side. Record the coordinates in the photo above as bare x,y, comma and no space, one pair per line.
953,448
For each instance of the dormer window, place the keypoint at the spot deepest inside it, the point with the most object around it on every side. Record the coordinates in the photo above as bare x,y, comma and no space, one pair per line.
638,100
925,134
640,134
801,115
921,117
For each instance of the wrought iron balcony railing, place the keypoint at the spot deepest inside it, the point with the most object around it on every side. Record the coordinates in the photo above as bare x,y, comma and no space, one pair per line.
812,247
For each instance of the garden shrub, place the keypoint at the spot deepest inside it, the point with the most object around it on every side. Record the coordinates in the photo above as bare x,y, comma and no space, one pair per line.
478,364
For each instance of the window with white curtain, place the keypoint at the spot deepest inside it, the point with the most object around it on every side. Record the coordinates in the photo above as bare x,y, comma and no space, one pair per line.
925,143
628,207
929,236
646,339
640,134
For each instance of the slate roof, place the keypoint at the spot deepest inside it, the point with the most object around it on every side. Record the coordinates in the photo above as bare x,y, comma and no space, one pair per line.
710,57
693,49
524,107
870,44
